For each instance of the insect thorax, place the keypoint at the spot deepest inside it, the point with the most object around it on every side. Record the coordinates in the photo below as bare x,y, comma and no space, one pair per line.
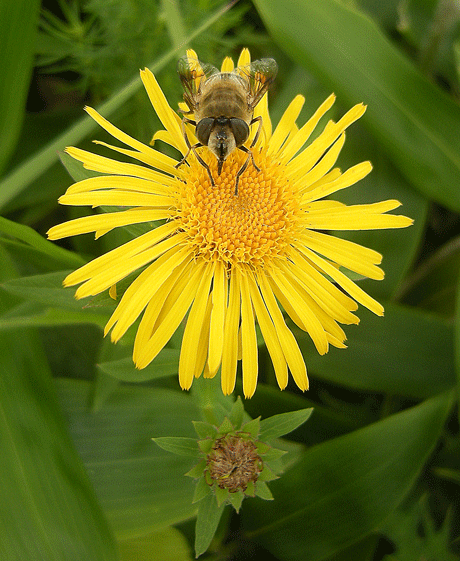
223,95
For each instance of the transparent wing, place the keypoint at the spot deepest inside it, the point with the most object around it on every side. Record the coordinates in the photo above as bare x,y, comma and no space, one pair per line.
192,73
260,75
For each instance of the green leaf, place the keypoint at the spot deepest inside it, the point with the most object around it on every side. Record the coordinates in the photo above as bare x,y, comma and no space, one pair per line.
406,352
413,119
433,286
399,247
323,425
197,471
48,289
141,487
206,523
165,364
204,430
48,507
37,164
282,424
263,491
75,168
202,489
18,22
43,247
178,445
252,427
167,544
413,531
27,315
236,500
267,474
344,488
237,413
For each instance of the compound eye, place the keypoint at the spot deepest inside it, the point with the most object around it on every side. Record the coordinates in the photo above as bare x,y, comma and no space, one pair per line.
240,130
203,130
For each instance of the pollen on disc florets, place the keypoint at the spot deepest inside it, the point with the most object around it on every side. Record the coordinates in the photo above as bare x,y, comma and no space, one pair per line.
251,227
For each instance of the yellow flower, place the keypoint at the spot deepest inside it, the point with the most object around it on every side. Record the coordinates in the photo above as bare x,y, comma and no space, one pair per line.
230,261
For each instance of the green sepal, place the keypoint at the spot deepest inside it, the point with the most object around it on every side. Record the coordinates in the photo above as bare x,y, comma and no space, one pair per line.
178,445
279,425
205,445
236,500
252,427
263,492
204,430
262,447
272,455
267,475
221,495
237,413
201,490
250,489
207,520
226,427
197,471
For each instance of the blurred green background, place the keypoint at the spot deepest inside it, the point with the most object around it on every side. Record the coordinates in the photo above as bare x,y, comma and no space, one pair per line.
375,473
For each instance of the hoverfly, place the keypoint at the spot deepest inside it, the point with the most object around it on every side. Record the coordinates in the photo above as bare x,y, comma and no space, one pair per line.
223,107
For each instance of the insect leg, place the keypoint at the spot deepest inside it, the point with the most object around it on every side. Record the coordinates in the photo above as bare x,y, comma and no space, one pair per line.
193,149
259,128
244,166
202,162
187,141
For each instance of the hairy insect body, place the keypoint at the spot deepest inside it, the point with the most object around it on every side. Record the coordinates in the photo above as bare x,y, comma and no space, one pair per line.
223,106
223,115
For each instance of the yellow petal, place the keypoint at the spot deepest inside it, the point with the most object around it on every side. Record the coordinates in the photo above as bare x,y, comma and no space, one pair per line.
216,332
170,323
348,254
169,118
94,162
286,338
269,334
190,341
112,182
149,155
244,58
230,350
318,173
346,283
248,341
143,289
285,124
308,158
120,254
291,148
350,177
106,221
291,299
227,65
153,158
117,197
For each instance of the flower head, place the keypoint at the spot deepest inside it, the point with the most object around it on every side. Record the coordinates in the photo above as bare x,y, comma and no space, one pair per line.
237,458
230,261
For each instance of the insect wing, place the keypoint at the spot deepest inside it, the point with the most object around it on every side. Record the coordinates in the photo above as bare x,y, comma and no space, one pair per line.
191,73
260,75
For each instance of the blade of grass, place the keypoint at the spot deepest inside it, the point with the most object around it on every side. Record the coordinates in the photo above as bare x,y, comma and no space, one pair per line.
16,181
412,118
18,22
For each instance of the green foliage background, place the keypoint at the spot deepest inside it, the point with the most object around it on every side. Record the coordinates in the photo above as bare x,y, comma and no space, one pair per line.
375,473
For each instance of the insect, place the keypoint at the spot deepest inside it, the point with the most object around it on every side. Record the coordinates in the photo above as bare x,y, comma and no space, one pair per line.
223,107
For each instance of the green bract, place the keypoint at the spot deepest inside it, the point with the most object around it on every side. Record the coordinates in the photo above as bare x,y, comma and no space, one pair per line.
236,460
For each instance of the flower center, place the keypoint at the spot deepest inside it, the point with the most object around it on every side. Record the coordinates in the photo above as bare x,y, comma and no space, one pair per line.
251,227
234,462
